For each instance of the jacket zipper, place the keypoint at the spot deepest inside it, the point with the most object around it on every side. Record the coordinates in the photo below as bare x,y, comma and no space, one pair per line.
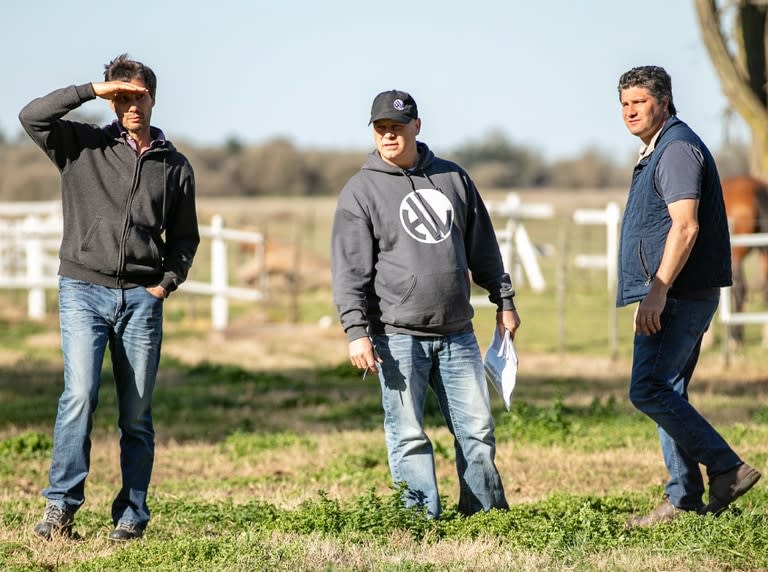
127,220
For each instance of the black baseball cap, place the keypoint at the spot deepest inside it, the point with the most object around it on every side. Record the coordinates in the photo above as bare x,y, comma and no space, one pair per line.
394,104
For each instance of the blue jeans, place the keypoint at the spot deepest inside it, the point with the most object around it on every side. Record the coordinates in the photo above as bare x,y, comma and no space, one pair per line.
662,367
452,366
130,322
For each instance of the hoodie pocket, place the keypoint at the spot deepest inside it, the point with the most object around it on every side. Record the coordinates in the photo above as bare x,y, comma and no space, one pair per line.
432,301
142,255
99,250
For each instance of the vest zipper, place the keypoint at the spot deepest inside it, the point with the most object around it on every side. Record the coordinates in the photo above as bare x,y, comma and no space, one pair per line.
643,265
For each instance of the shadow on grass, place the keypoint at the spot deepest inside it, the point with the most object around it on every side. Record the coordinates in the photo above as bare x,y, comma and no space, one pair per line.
203,403
209,402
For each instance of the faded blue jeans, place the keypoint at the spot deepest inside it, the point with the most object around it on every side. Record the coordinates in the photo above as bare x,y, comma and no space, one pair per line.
662,368
452,366
130,322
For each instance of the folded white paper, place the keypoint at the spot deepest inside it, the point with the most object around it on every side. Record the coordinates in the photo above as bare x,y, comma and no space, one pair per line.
501,365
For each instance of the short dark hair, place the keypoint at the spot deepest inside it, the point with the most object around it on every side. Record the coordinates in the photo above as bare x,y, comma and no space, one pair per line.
122,68
653,78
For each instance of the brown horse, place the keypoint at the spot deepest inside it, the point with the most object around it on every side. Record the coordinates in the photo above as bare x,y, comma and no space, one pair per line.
746,205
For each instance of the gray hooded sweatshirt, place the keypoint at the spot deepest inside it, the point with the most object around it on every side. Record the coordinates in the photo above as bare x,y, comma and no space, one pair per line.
403,245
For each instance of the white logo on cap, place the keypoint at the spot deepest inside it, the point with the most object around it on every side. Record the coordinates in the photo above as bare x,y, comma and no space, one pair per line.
398,104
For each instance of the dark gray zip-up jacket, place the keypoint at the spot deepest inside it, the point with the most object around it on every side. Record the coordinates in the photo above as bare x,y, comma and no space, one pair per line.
403,245
129,220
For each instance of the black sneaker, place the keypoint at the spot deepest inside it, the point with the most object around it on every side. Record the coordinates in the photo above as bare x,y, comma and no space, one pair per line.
56,521
125,531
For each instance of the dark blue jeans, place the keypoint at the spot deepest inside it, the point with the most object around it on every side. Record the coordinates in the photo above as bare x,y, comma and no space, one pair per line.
130,322
662,368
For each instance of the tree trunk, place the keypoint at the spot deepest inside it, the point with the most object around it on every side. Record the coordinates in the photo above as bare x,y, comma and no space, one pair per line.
743,80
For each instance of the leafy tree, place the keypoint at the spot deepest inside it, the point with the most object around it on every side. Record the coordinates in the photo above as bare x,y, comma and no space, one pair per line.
496,162
591,169
276,168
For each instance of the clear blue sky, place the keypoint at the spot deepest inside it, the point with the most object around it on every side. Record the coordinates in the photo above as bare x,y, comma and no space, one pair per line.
542,72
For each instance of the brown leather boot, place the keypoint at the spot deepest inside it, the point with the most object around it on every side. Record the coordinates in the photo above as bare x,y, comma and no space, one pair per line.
726,488
665,512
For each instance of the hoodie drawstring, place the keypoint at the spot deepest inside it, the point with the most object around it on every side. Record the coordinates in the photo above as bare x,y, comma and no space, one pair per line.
165,191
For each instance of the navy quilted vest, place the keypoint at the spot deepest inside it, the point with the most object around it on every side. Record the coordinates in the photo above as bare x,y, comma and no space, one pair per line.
647,222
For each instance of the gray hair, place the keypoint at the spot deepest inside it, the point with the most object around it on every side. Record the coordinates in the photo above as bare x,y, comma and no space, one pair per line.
653,78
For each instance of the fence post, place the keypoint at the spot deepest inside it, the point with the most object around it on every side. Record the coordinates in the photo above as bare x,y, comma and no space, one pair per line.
610,217
219,276
517,250
562,289
34,255
725,318
612,220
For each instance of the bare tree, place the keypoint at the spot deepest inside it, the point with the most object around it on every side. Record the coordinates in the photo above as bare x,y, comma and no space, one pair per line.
734,32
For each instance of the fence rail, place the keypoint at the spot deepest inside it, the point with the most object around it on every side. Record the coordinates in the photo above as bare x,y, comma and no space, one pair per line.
30,234
727,315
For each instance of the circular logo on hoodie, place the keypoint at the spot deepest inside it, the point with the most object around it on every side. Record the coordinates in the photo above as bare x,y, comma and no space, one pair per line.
427,215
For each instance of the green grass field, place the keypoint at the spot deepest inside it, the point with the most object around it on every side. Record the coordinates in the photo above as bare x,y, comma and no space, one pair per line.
270,453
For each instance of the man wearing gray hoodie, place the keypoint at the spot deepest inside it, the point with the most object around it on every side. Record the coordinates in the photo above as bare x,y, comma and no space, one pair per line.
409,229
130,234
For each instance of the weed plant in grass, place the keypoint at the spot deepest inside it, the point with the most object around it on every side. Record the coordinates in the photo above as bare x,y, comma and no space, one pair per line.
575,532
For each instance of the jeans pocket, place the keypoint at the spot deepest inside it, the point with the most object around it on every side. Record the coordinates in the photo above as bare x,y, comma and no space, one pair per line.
73,284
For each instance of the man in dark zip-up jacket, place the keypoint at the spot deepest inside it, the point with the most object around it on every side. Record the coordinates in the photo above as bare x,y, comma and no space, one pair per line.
130,234
674,257
408,230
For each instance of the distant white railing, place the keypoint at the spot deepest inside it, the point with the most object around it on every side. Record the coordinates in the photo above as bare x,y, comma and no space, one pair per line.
30,235
218,288
517,250
610,218
727,315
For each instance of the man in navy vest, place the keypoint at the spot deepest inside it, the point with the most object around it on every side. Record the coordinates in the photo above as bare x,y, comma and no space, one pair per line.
674,257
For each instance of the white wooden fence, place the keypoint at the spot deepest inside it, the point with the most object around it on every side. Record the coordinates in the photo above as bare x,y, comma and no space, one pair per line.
30,235
517,250
610,218
727,315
